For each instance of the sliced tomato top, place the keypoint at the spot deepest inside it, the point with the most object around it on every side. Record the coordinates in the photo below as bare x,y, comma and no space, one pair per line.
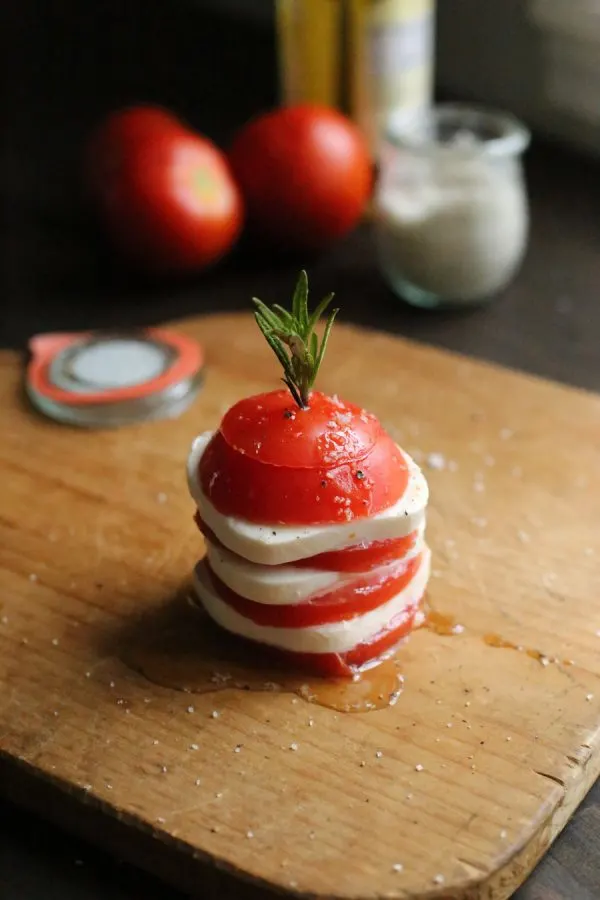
239,486
272,463
272,429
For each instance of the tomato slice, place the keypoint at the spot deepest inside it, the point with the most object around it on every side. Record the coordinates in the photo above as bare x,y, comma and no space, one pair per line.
361,557
363,656
271,429
347,602
241,486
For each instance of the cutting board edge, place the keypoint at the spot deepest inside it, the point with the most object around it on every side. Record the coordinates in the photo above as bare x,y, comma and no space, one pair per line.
424,346
9,355
57,801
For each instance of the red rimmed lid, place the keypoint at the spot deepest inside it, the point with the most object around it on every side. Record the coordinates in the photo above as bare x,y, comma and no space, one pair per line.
110,378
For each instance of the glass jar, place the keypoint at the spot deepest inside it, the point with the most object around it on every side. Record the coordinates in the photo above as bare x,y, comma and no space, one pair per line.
451,211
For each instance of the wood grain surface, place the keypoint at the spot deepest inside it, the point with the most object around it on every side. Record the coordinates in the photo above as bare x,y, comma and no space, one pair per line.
465,781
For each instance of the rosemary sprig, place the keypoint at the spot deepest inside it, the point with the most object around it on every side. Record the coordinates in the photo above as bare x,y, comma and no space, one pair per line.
293,340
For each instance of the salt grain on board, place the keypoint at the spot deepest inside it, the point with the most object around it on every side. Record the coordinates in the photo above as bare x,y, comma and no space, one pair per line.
436,461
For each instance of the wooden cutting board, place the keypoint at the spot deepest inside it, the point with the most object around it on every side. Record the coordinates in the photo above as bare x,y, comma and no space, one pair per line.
463,783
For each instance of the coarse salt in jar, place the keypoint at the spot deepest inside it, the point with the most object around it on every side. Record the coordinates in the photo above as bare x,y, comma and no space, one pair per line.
451,210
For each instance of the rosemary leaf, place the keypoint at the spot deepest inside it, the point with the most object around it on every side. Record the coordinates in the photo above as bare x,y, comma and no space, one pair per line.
286,319
300,302
275,344
314,349
319,311
294,392
267,314
323,346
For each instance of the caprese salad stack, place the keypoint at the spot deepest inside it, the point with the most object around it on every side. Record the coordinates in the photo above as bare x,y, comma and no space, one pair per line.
313,517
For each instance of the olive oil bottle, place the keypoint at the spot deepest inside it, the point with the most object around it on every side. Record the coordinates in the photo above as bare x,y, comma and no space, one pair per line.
373,59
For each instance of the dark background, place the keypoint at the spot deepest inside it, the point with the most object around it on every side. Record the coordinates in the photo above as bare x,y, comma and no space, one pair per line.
65,63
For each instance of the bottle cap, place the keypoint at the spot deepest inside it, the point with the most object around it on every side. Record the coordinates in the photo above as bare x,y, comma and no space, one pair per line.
110,378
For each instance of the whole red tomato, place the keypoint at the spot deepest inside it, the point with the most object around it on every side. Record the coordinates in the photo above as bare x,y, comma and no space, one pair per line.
306,175
166,194
114,137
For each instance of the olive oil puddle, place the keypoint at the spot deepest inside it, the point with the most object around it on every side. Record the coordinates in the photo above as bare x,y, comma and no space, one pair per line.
184,650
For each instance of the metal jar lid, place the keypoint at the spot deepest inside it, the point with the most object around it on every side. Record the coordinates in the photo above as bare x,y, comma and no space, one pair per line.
106,379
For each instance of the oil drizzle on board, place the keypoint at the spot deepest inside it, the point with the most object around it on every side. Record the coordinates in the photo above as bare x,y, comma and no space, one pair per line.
444,624
182,649
440,623
495,640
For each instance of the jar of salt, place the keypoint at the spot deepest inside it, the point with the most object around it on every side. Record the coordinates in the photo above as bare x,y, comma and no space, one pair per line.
451,211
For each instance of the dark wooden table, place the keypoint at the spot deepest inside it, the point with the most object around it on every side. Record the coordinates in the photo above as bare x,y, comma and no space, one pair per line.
68,66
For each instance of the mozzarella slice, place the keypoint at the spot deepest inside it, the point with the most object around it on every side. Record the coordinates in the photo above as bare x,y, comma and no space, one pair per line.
273,545
288,584
334,637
